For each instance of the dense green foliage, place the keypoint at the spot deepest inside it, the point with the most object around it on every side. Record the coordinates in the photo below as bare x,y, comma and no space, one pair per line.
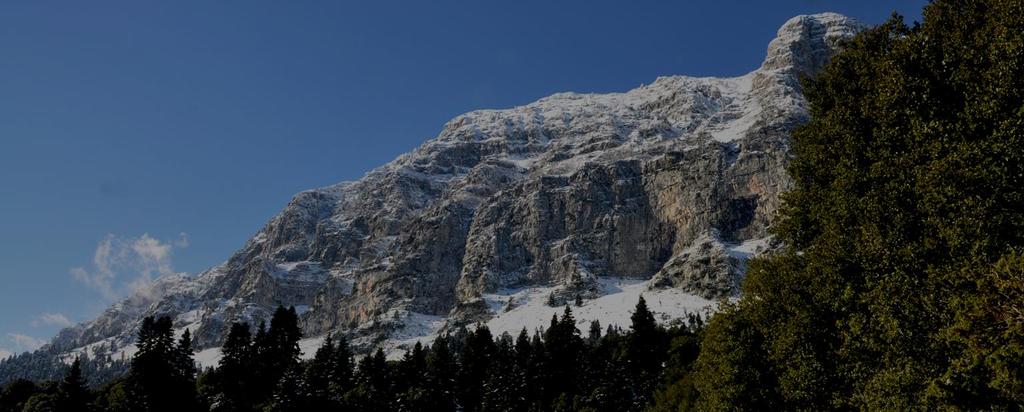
900,285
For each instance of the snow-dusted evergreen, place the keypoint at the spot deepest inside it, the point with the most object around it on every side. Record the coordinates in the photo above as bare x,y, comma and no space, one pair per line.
663,190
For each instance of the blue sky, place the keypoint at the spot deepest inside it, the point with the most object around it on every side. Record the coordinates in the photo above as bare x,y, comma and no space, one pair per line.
142,138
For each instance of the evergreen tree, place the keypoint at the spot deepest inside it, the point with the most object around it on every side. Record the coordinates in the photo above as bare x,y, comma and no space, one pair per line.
276,351
157,380
185,372
898,278
319,375
73,393
373,384
289,395
474,363
410,380
16,393
441,372
505,386
341,370
594,334
564,348
645,352
234,377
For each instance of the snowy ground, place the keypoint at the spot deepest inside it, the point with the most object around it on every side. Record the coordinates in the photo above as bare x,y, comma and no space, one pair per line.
515,309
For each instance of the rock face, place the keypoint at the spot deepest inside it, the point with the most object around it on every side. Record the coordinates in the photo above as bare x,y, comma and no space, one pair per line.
672,181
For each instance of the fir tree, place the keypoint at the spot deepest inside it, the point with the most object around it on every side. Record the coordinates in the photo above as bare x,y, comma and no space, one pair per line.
318,376
73,393
644,353
474,363
892,290
341,369
156,378
234,377
594,335
441,367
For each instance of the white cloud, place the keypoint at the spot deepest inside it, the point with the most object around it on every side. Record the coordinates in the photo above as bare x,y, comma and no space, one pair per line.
182,241
4,353
52,319
25,342
127,265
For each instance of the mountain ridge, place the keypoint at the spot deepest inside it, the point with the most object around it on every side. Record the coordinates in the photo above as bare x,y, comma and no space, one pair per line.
673,184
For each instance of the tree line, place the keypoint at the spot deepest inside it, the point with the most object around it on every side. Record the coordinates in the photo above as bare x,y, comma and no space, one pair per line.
558,368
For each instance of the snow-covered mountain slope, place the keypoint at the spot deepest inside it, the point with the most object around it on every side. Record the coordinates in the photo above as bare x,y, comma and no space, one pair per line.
665,189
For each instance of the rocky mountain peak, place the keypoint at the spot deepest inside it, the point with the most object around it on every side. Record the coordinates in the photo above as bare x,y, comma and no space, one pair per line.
671,186
804,43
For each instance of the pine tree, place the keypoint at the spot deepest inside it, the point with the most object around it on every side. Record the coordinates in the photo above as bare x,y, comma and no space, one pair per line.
564,348
341,369
441,372
474,362
185,372
289,395
318,376
276,352
594,335
234,377
505,386
156,378
411,380
645,351
73,392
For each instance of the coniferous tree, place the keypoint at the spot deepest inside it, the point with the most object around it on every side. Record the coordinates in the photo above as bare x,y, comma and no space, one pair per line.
893,288
594,335
341,370
564,348
73,393
156,378
441,372
505,386
289,395
185,372
276,351
474,364
645,351
410,380
16,393
234,376
318,376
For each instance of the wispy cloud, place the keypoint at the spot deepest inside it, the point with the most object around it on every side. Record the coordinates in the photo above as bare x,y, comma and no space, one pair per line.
52,319
127,265
24,342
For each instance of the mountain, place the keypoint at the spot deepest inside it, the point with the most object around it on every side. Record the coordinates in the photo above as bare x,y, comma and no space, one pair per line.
507,214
